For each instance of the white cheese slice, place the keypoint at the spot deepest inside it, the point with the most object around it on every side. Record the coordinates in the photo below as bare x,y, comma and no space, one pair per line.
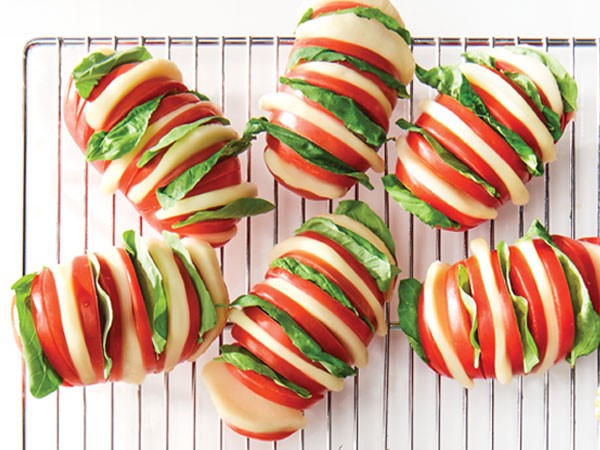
544,287
115,170
516,188
194,142
133,370
178,309
383,5
244,409
537,71
447,192
204,258
207,200
325,253
366,33
286,102
491,82
72,327
316,374
502,365
346,336
98,110
439,327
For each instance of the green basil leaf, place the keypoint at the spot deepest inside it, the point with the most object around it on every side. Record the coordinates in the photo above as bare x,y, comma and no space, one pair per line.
566,83
306,149
324,54
449,80
480,57
88,73
342,107
301,340
414,205
530,351
176,134
362,213
409,291
124,136
153,291
242,207
200,96
587,321
307,273
208,312
376,262
306,16
244,360
42,377
177,189
449,158
471,306
106,312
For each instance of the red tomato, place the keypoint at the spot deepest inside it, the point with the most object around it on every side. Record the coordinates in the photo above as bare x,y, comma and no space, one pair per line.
263,436
191,343
335,6
432,352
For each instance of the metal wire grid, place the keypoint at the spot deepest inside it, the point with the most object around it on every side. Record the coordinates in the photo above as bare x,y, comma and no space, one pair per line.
395,402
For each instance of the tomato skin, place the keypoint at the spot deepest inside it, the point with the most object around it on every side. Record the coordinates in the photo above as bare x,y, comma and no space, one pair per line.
263,436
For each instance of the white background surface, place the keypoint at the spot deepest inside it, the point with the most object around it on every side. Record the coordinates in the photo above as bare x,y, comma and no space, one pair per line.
21,21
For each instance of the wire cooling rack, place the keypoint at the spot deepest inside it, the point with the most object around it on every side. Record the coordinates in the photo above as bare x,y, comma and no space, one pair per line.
394,403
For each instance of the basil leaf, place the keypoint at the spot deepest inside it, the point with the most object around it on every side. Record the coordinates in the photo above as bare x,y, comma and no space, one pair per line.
301,340
153,291
449,158
208,312
449,80
42,377
306,149
409,291
324,54
176,134
307,273
566,83
471,306
414,205
587,321
376,262
244,360
306,16
106,312
177,189
480,57
124,136
362,213
200,96
521,307
342,107
88,73
242,207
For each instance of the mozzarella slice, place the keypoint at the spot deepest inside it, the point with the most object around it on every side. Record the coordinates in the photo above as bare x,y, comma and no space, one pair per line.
383,5
133,370
208,200
178,310
243,408
316,374
516,188
286,102
204,258
325,253
433,301
447,192
338,328
502,365
366,33
72,328
537,71
544,287
194,142
493,83
98,110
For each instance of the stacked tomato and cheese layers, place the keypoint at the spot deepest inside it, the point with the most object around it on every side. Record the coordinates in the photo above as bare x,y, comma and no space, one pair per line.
350,62
119,314
492,127
506,312
299,332
168,149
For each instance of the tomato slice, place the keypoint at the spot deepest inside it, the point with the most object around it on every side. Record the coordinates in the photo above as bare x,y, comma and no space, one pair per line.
334,6
262,436
432,352
191,343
